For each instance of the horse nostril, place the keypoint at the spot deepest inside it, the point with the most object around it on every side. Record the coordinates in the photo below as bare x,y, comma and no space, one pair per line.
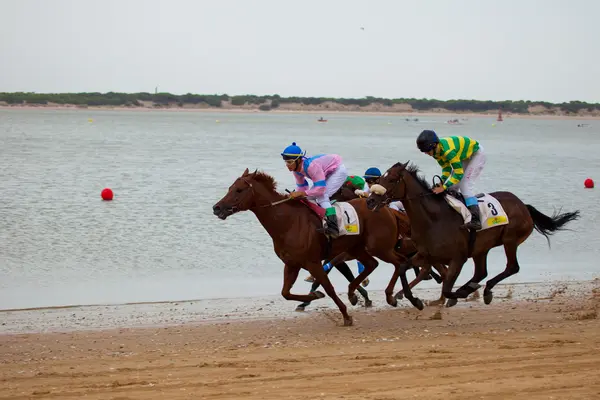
216,208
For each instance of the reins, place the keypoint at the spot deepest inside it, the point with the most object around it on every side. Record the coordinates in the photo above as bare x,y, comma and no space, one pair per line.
270,204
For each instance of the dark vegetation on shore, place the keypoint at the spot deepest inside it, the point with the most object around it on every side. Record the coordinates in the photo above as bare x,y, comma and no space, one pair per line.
270,102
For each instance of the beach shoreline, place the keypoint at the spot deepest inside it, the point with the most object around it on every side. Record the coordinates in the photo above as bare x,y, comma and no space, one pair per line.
535,341
307,111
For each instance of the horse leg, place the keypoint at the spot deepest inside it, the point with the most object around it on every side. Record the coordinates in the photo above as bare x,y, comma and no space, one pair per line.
389,290
443,272
317,271
436,277
417,272
345,270
290,274
415,301
512,267
400,268
422,276
480,273
315,285
370,264
453,271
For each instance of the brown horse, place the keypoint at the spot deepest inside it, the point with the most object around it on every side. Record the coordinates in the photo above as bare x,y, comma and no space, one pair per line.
347,193
437,230
293,227
405,246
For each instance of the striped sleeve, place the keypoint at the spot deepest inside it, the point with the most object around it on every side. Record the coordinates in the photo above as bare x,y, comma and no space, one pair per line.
446,169
457,169
301,183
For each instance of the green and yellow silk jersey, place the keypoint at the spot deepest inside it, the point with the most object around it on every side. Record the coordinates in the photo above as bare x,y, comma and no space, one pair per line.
450,153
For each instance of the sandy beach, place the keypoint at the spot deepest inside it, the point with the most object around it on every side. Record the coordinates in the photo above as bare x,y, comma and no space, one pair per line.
535,341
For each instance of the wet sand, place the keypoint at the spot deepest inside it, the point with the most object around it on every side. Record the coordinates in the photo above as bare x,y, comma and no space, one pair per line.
535,341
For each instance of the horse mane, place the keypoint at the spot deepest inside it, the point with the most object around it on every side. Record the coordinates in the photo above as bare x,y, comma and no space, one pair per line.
414,171
268,181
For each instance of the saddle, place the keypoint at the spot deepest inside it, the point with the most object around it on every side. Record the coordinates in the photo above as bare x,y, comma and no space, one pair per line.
347,217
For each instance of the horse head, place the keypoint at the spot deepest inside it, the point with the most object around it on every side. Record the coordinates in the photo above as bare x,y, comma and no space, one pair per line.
389,187
239,197
344,193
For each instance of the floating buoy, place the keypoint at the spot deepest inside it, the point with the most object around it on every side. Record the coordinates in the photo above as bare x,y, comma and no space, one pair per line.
588,183
217,121
90,120
107,194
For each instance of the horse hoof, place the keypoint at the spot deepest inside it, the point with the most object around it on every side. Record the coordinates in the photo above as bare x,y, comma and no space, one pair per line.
365,283
399,295
418,303
353,298
300,309
451,302
318,295
392,301
368,303
488,297
348,321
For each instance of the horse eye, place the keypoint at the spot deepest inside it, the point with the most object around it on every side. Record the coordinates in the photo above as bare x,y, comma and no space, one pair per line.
238,190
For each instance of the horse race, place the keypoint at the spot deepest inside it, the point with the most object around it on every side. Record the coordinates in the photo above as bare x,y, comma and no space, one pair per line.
259,201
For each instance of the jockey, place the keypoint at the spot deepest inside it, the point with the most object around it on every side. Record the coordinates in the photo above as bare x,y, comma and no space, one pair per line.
462,159
357,183
328,174
372,176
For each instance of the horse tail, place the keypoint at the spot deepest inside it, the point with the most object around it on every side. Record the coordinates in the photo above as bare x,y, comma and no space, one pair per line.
548,225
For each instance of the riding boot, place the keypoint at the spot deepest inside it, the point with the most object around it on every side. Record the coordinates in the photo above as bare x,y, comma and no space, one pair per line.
475,219
332,229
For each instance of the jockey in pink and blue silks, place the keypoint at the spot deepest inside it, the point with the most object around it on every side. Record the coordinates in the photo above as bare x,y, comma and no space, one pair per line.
328,174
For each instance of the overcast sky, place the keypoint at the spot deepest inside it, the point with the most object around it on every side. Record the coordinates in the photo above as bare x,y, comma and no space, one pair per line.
475,49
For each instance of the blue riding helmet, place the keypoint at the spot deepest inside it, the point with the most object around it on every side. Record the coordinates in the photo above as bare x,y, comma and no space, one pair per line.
292,152
372,172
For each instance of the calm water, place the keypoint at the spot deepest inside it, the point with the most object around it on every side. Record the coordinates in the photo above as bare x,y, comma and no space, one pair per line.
158,240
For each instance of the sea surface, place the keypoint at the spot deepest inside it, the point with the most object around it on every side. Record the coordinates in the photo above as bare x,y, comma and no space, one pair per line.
158,240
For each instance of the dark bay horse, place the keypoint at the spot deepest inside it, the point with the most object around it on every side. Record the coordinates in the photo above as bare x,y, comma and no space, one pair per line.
406,247
437,230
293,227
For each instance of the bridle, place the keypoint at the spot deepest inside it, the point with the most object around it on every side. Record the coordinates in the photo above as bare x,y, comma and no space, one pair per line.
389,199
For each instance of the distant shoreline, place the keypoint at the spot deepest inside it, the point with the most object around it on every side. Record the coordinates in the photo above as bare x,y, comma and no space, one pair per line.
309,110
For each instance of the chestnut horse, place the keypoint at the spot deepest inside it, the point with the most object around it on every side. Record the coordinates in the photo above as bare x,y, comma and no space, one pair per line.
297,241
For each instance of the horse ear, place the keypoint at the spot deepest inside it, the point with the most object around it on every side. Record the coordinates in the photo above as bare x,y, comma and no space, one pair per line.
405,164
245,172
255,171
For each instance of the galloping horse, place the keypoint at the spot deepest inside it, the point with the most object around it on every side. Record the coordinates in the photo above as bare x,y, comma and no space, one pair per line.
293,228
406,247
437,230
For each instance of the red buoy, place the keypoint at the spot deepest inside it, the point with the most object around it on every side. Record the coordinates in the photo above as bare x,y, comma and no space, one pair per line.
589,183
107,194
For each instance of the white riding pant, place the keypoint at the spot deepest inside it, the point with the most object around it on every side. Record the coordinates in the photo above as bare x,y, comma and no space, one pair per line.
397,205
472,168
333,183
